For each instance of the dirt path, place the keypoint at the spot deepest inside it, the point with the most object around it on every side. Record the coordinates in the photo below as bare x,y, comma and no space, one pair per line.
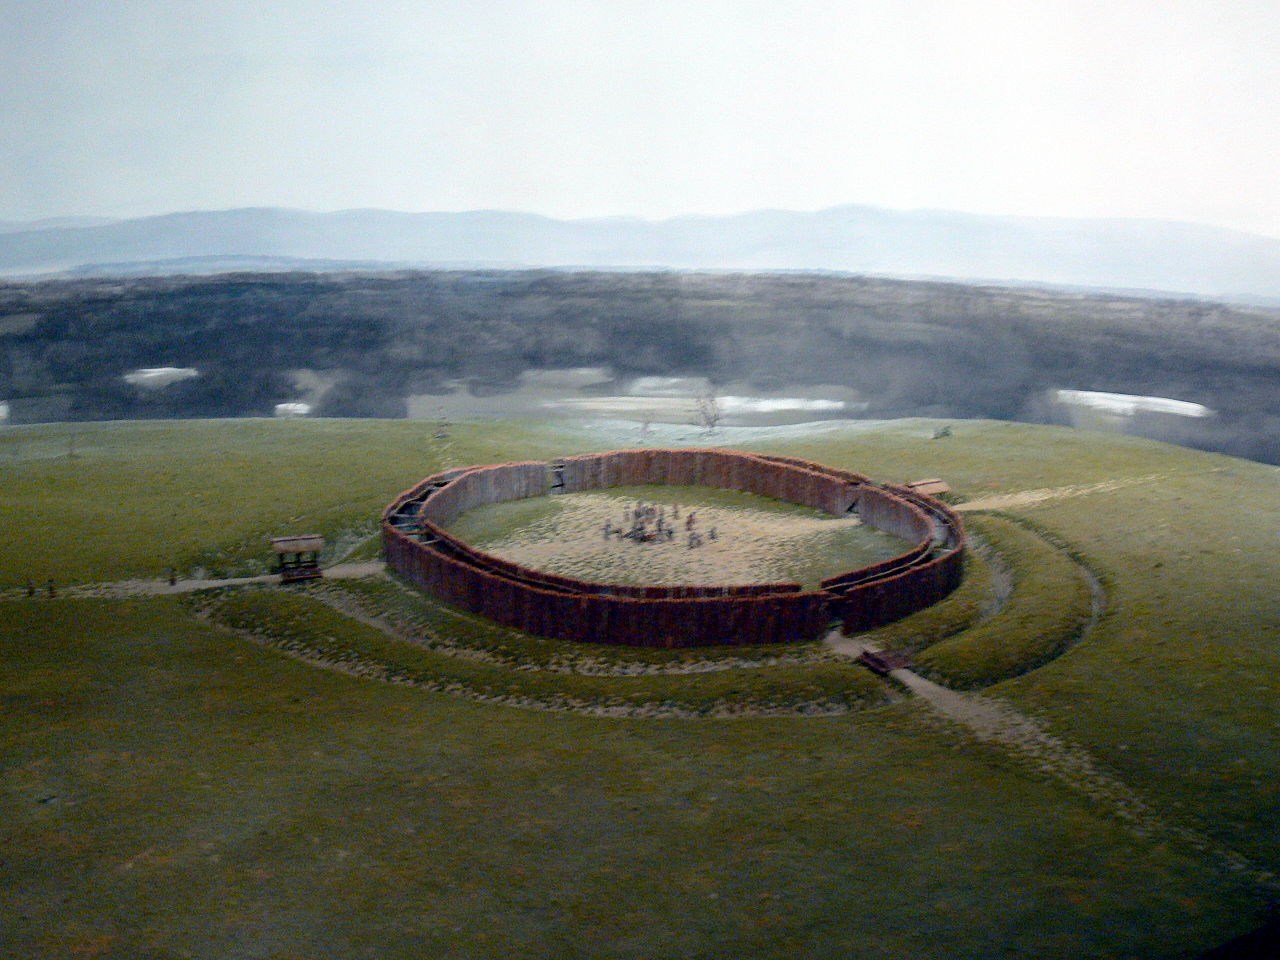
1033,498
153,588
999,723
1002,726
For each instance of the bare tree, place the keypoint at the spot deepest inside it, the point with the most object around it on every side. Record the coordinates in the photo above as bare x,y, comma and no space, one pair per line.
709,410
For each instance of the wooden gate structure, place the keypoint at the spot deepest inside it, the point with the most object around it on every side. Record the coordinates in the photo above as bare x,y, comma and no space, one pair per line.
297,558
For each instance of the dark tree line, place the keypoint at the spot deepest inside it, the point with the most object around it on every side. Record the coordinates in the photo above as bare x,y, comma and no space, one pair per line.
910,348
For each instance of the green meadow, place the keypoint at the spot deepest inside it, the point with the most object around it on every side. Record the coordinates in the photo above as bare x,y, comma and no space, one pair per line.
229,773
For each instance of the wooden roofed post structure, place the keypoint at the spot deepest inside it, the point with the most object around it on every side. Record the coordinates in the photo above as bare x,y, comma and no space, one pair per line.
298,558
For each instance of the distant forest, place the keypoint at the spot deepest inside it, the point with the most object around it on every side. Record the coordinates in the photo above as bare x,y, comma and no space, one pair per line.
909,348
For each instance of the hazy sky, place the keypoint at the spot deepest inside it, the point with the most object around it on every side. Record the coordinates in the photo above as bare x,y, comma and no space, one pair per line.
1155,109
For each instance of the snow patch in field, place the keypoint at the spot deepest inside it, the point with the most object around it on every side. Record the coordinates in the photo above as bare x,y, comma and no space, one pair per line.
153,378
565,378
1128,405
629,433
731,405
685,387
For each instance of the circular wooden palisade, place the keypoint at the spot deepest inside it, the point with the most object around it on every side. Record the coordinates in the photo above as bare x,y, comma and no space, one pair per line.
421,551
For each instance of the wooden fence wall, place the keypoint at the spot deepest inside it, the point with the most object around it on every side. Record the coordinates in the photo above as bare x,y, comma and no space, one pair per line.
687,615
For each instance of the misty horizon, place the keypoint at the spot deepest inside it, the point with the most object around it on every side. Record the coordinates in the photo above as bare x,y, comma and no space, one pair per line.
1137,256
71,220
657,110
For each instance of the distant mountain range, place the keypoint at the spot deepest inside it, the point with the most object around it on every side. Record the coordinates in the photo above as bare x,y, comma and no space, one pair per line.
20,226
1141,255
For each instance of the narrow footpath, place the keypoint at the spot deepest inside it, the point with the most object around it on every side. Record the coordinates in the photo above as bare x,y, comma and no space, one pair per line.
139,588
998,723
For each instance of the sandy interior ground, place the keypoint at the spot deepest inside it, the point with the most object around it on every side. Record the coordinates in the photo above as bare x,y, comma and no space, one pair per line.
753,545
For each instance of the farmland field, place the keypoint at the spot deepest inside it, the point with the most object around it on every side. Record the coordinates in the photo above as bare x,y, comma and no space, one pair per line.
181,776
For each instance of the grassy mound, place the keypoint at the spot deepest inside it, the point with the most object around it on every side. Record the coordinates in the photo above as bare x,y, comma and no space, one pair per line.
1047,608
438,626
302,626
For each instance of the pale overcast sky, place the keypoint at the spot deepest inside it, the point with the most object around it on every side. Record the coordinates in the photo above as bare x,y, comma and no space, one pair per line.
1164,109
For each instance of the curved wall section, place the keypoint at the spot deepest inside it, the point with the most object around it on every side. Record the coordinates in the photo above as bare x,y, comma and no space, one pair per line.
420,550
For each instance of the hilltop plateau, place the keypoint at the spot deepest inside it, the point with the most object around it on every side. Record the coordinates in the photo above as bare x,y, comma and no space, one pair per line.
225,771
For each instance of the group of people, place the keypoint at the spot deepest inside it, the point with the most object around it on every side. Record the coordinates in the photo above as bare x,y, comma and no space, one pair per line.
648,523
52,590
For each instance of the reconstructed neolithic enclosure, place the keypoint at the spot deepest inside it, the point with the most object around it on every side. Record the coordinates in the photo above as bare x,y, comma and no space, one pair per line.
421,551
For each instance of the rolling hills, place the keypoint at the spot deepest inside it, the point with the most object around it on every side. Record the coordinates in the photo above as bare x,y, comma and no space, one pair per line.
1117,254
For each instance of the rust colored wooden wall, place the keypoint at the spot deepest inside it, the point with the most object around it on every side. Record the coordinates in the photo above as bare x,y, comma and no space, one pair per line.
687,615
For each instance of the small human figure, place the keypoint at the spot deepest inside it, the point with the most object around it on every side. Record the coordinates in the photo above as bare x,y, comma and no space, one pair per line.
31,588
173,576
712,534
690,520
53,591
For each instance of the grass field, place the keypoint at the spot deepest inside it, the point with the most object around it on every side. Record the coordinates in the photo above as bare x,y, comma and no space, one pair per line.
90,502
169,789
